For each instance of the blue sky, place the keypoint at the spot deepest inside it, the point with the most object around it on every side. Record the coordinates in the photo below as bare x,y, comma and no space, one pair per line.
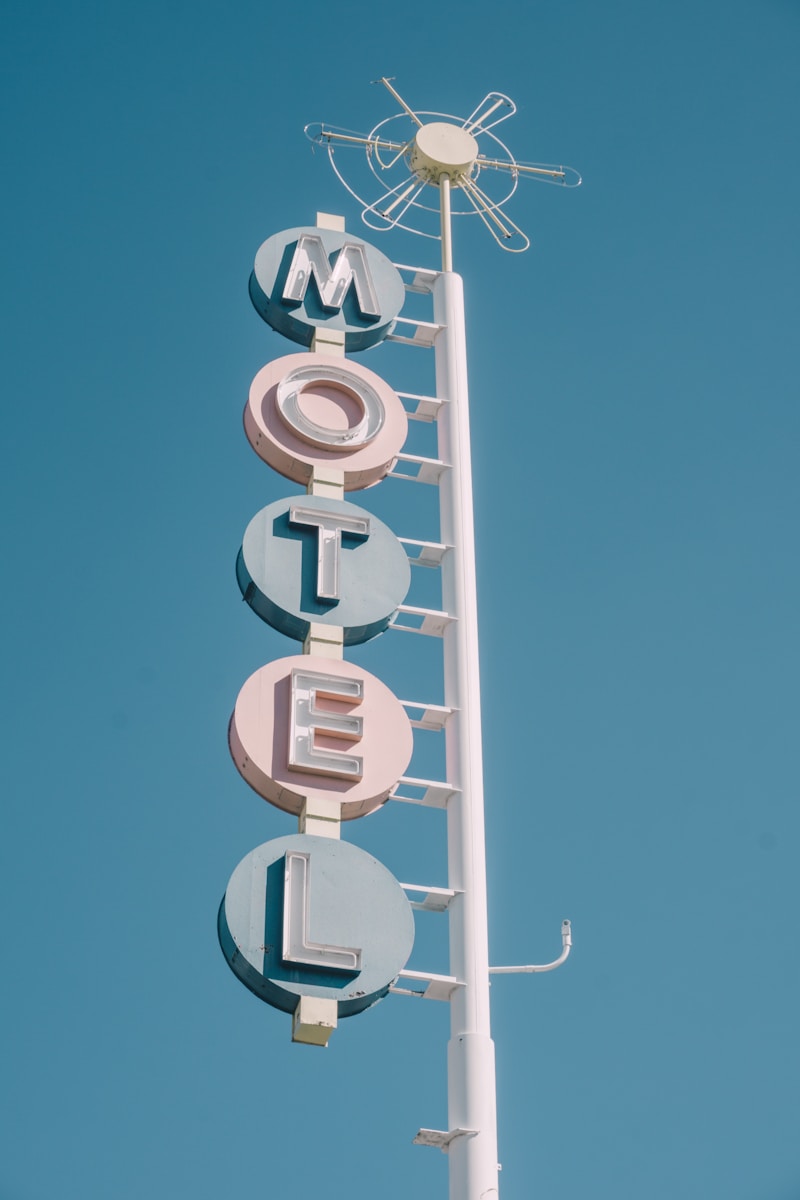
635,421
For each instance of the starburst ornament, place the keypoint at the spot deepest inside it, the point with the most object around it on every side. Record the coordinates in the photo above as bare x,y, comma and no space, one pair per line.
474,171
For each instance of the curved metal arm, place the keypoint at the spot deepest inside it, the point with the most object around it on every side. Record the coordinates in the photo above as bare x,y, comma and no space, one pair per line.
566,944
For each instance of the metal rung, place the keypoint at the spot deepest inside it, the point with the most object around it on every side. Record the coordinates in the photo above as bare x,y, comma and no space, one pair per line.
430,553
441,1139
422,278
430,716
425,408
435,899
424,334
433,622
434,794
438,987
429,470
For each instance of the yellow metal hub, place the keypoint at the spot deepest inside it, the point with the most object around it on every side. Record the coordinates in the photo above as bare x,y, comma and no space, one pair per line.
442,149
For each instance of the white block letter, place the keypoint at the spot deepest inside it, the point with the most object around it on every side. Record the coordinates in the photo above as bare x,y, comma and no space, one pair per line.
307,720
297,944
334,282
330,526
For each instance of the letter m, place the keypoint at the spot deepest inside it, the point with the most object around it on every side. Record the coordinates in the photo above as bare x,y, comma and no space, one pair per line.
333,282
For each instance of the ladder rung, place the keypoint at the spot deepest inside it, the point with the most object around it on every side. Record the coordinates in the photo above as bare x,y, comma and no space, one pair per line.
439,987
422,408
441,1139
430,554
428,470
429,716
434,899
432,622
434,794
422,278
424,332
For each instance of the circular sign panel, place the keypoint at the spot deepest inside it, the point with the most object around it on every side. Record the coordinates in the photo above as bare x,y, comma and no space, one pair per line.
312,916
309,558
308,278
308,410
322,728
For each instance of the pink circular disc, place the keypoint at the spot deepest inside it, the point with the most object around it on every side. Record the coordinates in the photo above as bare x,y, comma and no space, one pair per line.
321,728
315,410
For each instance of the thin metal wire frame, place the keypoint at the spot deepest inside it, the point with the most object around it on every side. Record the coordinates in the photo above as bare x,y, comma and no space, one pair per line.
499,99
480,207
375,210
412,190
561,176
554,172
340,135
372,143
548,172
487,214
404,150
405,195
386,83
397,191
476,132
473,120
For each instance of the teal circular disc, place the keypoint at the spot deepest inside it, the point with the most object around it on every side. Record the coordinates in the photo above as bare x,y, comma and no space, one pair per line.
314,916
278,568
307,279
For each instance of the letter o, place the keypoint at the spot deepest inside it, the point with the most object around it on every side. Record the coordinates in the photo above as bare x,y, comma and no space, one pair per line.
287,400
308,411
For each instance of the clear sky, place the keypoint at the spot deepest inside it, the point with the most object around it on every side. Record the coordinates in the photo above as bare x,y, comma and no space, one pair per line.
635,422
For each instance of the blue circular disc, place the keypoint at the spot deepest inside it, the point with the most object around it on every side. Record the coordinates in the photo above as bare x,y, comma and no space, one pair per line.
314,916
299,285
278,568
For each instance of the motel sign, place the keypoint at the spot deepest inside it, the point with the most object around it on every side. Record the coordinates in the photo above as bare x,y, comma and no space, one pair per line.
311,924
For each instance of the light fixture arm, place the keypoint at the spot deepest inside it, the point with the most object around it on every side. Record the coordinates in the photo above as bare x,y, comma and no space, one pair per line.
566,946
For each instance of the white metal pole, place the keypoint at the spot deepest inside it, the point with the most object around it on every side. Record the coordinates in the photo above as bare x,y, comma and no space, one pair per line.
446,223
470,1060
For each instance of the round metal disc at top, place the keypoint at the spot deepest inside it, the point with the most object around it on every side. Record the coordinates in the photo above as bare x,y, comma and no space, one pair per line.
443,149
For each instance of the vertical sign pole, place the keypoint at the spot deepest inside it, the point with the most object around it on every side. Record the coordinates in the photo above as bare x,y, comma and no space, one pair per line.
471,1071
446,223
